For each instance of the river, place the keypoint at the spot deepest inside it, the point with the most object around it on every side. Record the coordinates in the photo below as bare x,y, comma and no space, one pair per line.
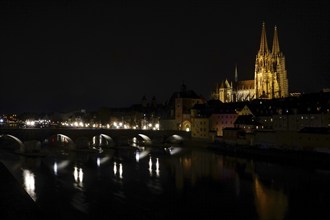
180,183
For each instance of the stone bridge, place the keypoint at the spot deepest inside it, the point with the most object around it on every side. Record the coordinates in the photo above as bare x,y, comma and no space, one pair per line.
85,137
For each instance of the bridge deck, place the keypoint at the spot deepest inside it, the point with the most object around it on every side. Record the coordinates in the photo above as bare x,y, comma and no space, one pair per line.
118,135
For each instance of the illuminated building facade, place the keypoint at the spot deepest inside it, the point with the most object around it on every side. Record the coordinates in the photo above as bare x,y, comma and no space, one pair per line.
270,76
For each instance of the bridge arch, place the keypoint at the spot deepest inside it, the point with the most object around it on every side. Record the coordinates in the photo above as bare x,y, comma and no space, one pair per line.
140,140
61,140
11,142
102,140
174,139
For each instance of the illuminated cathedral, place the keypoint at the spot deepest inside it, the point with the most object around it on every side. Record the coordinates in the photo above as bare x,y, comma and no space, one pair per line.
270,76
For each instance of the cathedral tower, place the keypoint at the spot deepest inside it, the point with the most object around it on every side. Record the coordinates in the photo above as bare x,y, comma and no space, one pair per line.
279,66
266,85
270,74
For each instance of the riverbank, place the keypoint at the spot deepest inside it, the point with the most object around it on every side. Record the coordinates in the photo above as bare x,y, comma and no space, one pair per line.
308,159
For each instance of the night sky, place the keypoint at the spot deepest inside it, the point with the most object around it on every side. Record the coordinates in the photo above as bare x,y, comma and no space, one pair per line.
71,55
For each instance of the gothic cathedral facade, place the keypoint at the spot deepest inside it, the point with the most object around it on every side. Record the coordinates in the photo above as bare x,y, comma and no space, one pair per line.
270,76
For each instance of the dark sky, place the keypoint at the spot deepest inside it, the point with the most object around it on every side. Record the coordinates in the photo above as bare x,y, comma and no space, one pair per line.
70,55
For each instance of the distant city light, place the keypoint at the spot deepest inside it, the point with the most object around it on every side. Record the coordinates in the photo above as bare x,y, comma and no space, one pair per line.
30,123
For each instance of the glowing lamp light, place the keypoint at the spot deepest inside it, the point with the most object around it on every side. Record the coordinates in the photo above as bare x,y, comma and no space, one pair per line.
30,123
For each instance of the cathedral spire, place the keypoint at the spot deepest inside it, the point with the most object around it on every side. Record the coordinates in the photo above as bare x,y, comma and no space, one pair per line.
263,43
236,75
276,45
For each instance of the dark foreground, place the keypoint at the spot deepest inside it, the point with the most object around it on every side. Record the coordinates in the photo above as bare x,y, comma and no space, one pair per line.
15,203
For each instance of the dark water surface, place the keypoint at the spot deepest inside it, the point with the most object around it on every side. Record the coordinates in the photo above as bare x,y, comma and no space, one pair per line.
156,184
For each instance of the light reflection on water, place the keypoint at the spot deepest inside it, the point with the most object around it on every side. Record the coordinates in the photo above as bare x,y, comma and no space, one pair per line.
197,178
157,167
98,162
118,170
153,168
55,168
114,168
150,166
78,175
269,202
29,183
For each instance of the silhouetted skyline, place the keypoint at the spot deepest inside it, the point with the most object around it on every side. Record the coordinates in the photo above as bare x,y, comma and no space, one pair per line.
75,55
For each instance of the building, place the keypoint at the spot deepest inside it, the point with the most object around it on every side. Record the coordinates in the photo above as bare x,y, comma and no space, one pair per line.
223,117
178,110
270,76
200,127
